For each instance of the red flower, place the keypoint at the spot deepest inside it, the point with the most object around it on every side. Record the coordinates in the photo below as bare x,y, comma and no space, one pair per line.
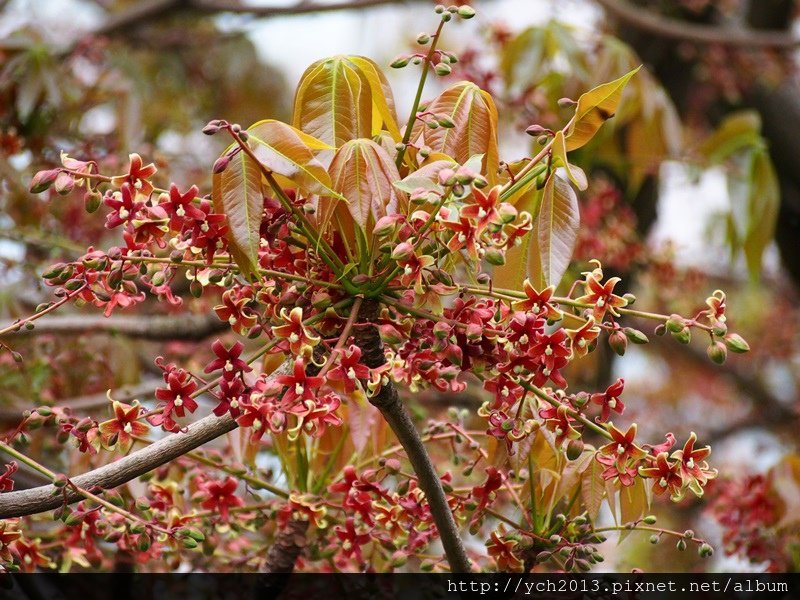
6,483
121,430
667,475
220,496
301,340
300,386
609,400
694,467
351,540
181,207
125,206
344,377
538,302
484,211
502,551
464,236
485,493
235,311
619,454
138,175
582,338
601,295
559,421
228,360
178,398
231,396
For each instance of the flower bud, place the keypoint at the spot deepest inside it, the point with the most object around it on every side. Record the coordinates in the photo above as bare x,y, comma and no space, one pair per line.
92,200
466,12
654,539
705,550
442,69
399,62
439,9
196,288
390,335
618,342
566,102
213,126
43,180
675,324
495,256
681,545
635,336
220,164
447,176
403,251
536,130
574,449
423,38
64,183
736,343
684,336
717,352
650,520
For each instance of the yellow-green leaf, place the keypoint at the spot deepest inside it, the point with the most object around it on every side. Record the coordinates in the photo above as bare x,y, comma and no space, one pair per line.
594,108
739,131
474,116
344,98
238,194
763,205
289,152
559,154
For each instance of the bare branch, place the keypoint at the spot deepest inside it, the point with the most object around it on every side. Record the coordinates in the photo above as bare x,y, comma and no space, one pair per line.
41,499
161,327
667,27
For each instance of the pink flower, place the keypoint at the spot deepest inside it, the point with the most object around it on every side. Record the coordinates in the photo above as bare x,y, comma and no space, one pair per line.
609,400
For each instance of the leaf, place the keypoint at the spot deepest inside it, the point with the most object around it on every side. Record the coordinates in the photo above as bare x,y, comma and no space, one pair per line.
559,154
289,152
594,108
738,131
427,177
593,489
237,193
474,115
633,502
523,261
344,98
556,228
364,174
763,204
360,418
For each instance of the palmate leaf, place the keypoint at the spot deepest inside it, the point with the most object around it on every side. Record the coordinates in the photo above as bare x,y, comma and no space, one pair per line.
474,116
594,108
237,193
344,98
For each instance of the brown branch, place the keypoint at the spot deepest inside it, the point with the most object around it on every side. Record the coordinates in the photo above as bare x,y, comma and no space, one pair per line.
160,327
396,415
41,499
289,543
666,27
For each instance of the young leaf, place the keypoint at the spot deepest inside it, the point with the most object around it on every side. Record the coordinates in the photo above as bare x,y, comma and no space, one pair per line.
364,174
594,108
474,115
556,228
344,98
289,152
238,194
593,489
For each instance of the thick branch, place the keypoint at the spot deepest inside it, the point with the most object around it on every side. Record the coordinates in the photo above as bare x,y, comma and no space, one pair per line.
41,499
647,20
396,415
184,327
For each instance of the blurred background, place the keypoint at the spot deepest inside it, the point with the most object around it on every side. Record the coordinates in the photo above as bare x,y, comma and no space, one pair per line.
695,187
